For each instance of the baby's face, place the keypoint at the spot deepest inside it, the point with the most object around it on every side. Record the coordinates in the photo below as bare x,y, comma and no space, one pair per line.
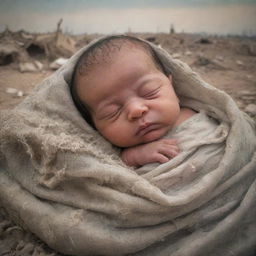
130,100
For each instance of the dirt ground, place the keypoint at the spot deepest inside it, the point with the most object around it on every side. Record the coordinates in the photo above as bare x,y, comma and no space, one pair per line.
229,63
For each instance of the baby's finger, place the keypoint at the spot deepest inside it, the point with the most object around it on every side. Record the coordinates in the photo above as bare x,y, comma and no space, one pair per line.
170,141
174,147
160,158
166,147
170,152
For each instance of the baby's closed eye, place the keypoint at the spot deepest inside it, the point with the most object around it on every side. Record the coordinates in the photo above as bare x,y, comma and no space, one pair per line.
152,93
150,90
110,112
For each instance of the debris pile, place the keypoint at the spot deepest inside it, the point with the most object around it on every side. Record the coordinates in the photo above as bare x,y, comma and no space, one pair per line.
11,48
209,63
34,52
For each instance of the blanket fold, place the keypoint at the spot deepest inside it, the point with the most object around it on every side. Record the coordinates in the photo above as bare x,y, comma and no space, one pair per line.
65,183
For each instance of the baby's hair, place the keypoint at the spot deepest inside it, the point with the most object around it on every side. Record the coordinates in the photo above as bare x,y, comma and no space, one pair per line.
102,52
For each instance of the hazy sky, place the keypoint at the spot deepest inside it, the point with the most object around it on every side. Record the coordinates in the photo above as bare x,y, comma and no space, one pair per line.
117,16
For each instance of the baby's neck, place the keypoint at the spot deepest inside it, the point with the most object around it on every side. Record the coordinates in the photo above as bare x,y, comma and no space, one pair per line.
185,113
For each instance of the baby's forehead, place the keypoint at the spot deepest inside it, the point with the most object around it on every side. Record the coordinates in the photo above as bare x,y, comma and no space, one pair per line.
133,53
124,65
107,53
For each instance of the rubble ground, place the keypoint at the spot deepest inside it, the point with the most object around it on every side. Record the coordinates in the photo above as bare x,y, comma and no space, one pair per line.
227,63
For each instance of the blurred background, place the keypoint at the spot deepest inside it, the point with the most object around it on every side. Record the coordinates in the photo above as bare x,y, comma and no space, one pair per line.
223,17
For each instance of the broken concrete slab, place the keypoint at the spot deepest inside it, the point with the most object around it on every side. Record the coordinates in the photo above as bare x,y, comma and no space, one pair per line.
58,63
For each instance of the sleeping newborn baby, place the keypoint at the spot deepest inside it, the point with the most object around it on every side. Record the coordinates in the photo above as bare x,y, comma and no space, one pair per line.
121,89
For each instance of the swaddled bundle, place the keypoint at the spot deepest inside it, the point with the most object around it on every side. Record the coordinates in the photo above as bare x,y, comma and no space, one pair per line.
67,184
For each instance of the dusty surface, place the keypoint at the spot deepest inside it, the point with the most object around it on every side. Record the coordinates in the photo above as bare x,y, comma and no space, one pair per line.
227,63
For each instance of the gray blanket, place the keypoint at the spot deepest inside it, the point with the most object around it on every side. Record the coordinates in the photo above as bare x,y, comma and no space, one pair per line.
64,182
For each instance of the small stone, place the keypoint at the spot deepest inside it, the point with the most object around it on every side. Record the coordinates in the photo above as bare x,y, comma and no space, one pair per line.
239,62
27,67
20,93
250,109
10,90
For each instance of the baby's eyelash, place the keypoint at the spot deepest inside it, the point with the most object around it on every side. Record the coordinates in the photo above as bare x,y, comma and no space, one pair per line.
113,114
152,93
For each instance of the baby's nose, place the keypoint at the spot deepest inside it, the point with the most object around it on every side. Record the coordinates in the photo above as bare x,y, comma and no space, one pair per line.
136,110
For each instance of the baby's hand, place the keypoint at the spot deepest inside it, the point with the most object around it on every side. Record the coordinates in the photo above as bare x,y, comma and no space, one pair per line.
160,151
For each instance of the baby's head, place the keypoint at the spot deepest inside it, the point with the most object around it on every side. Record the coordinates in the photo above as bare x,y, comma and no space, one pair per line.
121,89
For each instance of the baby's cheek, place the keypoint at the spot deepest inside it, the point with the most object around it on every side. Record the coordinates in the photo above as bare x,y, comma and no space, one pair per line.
112,133
119,134
102,128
